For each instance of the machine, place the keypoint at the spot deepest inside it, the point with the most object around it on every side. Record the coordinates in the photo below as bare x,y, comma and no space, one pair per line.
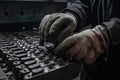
22,57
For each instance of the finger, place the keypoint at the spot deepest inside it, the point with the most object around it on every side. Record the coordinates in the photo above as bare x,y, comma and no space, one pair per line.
63,46
57,25
73,50
43,21
42,26
48,25
81,54
41,36
65,33
90,57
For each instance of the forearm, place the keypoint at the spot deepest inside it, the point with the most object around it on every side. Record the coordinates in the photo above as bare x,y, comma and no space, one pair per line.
80,9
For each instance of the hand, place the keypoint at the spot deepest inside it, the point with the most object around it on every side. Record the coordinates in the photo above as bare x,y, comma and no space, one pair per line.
54,22
86,45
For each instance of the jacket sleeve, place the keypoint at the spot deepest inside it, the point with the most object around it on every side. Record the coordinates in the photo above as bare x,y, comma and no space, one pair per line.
80,9
113,27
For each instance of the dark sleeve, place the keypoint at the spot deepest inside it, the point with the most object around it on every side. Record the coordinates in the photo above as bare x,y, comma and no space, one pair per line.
80,9
113,27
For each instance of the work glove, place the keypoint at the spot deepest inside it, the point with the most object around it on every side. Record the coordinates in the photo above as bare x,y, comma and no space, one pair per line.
65,23
86,45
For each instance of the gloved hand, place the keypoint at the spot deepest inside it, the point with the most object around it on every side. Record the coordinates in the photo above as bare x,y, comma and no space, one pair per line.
54,22
86,45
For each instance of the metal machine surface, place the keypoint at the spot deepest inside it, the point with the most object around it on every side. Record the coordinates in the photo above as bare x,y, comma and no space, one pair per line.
26,14
22,57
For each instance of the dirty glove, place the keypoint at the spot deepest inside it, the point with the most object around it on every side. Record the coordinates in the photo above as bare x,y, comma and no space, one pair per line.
52,23
86,45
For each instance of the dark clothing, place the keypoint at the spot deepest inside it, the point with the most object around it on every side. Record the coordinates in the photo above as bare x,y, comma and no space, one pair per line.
107,13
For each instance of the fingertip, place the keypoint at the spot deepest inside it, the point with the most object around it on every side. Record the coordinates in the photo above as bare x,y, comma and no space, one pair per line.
57,52
58,49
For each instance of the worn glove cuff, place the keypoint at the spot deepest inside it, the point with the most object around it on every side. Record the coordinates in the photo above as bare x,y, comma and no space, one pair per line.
101,33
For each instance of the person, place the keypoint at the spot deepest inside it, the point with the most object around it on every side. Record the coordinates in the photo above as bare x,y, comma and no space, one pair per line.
96,46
